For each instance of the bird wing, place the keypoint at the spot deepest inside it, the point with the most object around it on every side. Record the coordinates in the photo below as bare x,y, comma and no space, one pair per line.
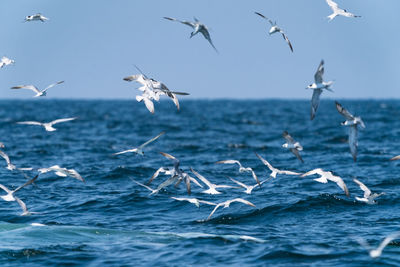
166,183
312,172
187,182
241,200
125,151
5,156
297,154
214,210
315,102
62,120
29,87
30,123
289,172
387,240
339,181
5,189
395,158
174,99
287,41
149,104
264,17
52,85
180,93
202,178
229,161
239,183
353,141
207,202
334,6
191,24
145,186
151,140
75,174
22,204
288,138
265,162
27,183
255,177
206,35
363,187
137,78
155,175
344,111
320,72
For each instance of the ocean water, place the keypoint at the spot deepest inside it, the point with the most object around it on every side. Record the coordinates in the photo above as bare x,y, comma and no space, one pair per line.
109,220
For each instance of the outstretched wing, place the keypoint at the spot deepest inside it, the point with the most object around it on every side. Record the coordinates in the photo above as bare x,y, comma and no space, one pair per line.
353,141
29,87
62,120
206,35
297,154
191,24
320,72
5,156
334,6
287,41
52,85
315,102
344,111
264,17
151,140
363,187
288,138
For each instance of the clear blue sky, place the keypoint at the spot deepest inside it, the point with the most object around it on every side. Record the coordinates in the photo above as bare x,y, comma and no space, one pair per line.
92,45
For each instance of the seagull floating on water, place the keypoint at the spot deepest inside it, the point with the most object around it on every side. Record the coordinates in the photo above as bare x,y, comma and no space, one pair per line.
275,171
197,27
212,188
194,201
5,61
292,145
35,89
274,28
48,126
241,168
139,149
328,176
375,253
318,86
63,172
368,198
339,11
36,17
352,122
227,203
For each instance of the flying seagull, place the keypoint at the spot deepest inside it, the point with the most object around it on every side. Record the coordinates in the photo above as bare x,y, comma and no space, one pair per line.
212,188
292,145
10,166
10,194
328,176
275,171
318,86
227,203
197,27
48,126
352,122
248,188
139,149
63,172
337,11
375,253
5,61
194,201
241,168
35,89
274,28
36,17
368,198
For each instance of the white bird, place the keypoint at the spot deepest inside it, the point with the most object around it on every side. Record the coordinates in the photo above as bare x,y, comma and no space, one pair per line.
10,194
275,171
339,11
63,172
292,145
48,126
375,253
352,122
139,149
147,100
164,170
5,61
368,198
35,89
10,166
241,168
395,158
227,203
212,188
197,27
36,17
248,189
328,176
274,28
194,201
318,86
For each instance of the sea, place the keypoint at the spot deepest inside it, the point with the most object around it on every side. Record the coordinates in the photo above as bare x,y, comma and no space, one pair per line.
111,221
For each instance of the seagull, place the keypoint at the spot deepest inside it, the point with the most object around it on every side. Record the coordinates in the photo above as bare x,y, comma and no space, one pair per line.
368,198
10,194
147,100
291,144
160,170
375,253
63,172
328,176
275,171
10,166
317,88
48,126
211,187
274,28
35,89
338,11
37,16
197,27
5,61
395,158
139,149
194,201
248,188
227,203
352,122
241,168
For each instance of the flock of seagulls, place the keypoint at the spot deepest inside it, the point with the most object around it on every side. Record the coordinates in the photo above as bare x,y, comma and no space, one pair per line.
151,90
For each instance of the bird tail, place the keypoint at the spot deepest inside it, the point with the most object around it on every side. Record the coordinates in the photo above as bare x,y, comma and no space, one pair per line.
332,16
139,98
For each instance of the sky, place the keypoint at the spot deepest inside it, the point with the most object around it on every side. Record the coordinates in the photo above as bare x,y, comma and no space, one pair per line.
93,44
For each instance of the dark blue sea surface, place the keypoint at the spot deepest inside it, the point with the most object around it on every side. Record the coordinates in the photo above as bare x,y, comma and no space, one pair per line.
109,220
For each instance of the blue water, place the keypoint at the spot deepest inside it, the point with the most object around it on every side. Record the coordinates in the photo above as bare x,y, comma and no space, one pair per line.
110,220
